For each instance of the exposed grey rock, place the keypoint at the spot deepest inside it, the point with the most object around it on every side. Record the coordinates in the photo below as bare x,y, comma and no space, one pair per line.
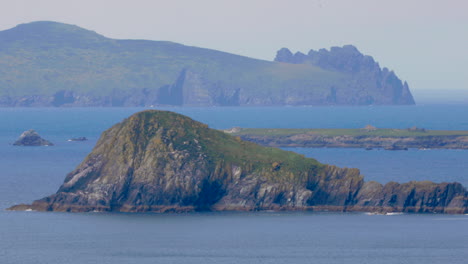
31,138
78,139
366,73
284,55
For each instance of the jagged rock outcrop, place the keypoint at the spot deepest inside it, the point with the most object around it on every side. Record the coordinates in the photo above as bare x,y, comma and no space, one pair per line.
160,161
374,85
418,197
74,67
31,138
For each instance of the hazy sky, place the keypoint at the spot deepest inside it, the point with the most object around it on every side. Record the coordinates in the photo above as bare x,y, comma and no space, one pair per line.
424,41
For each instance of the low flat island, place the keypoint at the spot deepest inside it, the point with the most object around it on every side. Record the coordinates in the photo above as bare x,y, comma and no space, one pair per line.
368,138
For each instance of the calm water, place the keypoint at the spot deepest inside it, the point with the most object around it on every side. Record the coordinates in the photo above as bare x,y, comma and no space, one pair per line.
30,173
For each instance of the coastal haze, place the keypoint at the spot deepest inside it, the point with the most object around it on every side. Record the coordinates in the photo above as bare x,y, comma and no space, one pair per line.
359,72
422,41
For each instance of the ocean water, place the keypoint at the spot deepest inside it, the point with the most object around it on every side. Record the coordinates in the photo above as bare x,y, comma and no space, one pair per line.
28,173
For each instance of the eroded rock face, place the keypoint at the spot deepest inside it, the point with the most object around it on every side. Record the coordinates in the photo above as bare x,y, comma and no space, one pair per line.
419,197
157,161
31,138
367,75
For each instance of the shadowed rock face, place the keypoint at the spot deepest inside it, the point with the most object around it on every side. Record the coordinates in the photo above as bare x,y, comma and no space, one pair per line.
31,138
160,161
419,197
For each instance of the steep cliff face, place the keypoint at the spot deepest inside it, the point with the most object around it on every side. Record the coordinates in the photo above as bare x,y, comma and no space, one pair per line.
419,197
161,161
373,84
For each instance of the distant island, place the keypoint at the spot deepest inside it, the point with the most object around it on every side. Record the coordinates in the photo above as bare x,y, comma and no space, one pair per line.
31,138
368,137
50,64
159,161
78,139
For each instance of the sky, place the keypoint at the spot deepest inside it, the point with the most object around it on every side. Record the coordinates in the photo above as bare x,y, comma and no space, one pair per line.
424,41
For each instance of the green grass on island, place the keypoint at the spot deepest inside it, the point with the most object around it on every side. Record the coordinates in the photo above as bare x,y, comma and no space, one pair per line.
381,132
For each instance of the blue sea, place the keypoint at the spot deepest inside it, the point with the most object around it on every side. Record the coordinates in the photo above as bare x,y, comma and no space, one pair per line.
29,173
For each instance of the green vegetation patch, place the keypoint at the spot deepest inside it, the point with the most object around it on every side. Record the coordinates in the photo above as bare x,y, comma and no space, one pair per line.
383,132
217,147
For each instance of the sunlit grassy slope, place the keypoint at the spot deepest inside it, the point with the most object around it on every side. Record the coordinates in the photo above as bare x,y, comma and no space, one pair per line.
46,57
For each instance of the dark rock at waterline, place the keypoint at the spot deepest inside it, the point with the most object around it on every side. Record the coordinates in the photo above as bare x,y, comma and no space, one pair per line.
395,147
31,138
157,161
78,139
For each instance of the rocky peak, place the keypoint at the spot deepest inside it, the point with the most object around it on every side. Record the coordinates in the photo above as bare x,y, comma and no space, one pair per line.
284,55
363,69
31,138
343,59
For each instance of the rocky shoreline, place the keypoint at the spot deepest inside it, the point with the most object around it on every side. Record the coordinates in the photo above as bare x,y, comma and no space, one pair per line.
309,140
340,190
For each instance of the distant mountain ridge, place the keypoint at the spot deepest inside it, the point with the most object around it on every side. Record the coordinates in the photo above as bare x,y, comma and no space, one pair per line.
54,64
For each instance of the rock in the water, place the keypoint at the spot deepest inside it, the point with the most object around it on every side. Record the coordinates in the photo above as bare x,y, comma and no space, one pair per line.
395,147
31,138
160,161
78,139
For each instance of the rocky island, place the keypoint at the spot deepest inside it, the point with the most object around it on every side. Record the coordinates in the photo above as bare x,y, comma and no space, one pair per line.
31,138
159,161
